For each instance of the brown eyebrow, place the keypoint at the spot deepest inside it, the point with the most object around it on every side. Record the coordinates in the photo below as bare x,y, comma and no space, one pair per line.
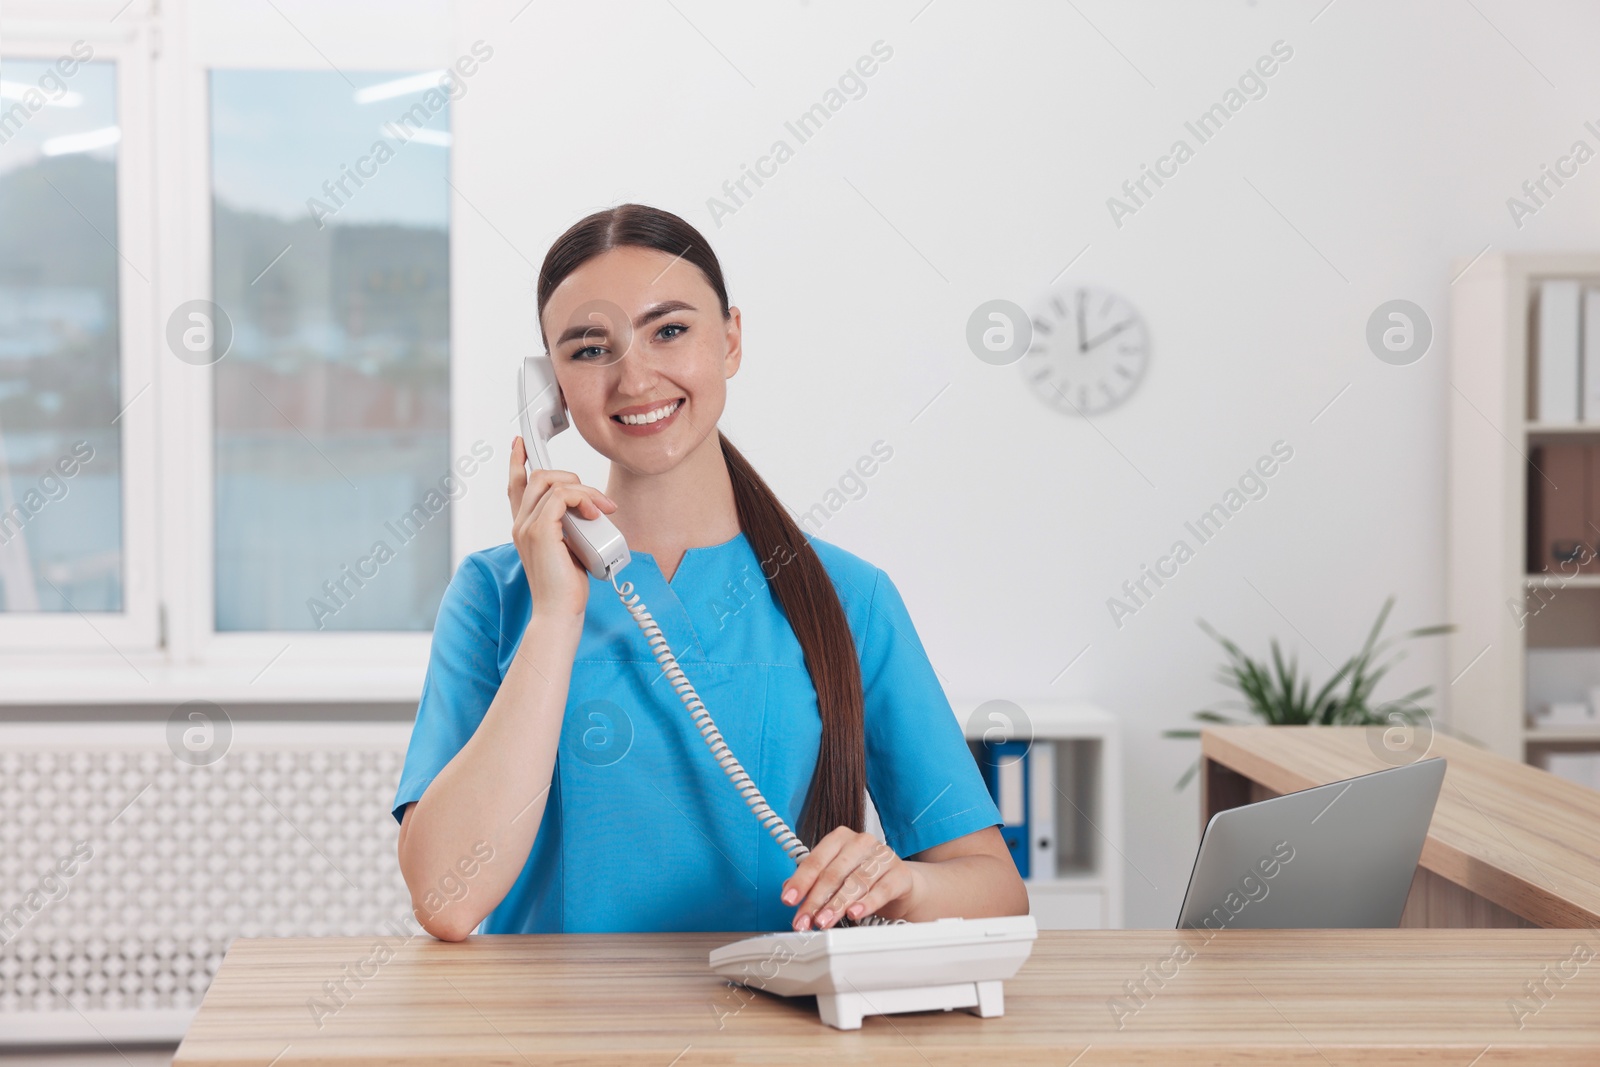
666,307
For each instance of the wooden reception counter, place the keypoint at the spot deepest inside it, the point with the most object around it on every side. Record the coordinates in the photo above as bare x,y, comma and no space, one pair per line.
1088,998
1510,845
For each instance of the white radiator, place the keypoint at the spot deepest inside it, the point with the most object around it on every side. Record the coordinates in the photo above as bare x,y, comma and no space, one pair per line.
130,857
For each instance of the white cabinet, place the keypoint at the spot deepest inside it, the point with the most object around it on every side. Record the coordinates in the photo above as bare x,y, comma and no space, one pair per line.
1522,640
1069,904
1084,890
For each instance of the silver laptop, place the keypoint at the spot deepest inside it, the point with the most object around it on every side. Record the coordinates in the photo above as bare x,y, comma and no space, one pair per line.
1337,855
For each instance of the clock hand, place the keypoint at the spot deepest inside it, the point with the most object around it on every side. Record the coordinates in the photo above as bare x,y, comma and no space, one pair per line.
1081,346
1107,335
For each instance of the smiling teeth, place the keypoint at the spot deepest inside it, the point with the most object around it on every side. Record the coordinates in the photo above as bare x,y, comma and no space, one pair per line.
651,416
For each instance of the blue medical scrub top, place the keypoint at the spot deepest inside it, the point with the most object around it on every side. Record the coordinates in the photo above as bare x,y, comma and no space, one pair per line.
641,829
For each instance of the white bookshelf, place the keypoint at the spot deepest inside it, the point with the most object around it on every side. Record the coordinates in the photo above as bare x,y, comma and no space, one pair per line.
1492,429
1085,891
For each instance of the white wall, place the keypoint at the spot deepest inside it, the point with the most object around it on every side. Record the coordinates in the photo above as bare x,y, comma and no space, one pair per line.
990,141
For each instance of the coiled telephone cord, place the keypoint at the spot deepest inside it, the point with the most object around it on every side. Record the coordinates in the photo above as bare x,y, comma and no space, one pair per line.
786,838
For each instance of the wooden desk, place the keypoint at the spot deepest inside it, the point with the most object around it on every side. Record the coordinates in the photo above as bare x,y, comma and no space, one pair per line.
1296,997
1510,845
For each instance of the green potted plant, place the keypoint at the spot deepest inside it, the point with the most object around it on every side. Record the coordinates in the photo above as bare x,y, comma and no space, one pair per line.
1281,696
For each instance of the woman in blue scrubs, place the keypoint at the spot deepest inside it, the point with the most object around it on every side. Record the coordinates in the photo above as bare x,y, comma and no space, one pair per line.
556,783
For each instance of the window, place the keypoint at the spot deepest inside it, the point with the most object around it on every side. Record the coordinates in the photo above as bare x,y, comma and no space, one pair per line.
225,400
60,375
330,238
78,413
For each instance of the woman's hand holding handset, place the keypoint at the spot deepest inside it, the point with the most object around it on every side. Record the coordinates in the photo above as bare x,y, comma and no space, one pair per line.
556,580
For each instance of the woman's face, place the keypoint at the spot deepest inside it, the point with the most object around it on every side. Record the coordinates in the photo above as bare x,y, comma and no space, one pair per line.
642,354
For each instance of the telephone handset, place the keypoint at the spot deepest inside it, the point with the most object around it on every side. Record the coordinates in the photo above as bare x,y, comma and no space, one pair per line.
597,543
894,964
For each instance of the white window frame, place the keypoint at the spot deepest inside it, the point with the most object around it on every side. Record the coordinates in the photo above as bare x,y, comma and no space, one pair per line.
167,165
132,633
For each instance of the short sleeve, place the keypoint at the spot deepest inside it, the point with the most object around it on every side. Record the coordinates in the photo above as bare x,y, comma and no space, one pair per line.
921,774
462,678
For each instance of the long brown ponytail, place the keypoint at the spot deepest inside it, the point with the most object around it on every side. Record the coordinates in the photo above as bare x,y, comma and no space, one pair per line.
796,576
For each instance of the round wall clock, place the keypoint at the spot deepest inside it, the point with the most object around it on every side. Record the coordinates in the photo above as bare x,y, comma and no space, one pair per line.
1089,351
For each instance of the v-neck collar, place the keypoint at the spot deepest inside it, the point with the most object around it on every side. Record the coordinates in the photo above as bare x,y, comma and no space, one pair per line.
693,551
669,610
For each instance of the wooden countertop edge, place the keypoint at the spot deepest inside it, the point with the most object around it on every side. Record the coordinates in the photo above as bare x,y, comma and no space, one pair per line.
1477,874
1291,1052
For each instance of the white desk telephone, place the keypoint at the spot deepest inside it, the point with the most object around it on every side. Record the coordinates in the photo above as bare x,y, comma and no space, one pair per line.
872,967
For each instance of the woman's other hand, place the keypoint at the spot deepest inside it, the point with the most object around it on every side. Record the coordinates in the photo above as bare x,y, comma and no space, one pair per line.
852,874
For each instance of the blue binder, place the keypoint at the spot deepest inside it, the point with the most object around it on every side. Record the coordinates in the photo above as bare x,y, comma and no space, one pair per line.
1005,772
